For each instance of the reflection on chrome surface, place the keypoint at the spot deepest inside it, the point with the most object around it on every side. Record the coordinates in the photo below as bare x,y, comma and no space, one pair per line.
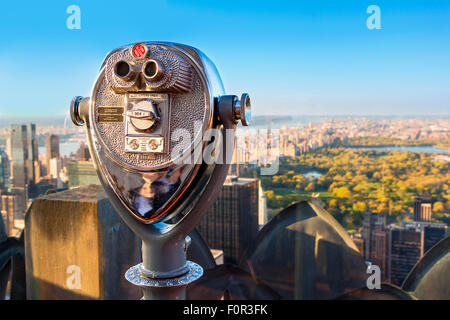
157,189
146,193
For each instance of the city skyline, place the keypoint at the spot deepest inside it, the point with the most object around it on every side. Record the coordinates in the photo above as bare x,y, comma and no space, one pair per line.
129,171
393,242
327,61
63,121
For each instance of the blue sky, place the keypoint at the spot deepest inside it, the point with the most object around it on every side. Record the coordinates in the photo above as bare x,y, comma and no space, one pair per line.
293,57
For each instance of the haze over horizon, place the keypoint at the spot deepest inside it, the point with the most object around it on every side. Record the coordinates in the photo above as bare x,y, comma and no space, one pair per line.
293,57
59,120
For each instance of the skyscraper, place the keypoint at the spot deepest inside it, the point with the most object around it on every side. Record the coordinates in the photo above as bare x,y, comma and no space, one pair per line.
379,248
375,237
18,155
4,172
24,154
371,222
422,208
231,224
408,243
405,249
32,153
52,144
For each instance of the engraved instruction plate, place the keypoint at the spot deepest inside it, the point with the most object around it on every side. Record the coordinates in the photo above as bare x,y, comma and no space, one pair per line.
110,114
147,122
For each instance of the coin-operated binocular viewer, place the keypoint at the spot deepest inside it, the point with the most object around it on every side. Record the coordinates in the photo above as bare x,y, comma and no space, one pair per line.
152,122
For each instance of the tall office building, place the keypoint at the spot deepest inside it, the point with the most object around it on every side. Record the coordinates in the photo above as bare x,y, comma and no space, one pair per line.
52,144
371,222
18,155
4,172
23,154
405,249
422,208
376,237
31,145
380,247
408,243
231,224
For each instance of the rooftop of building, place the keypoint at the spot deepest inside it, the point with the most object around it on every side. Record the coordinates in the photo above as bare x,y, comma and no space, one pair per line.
232,180
422,224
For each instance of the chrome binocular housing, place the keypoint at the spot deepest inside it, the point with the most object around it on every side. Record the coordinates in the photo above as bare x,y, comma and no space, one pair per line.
161,133
148,116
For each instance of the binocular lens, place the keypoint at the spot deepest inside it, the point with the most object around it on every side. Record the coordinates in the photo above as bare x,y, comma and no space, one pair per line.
151,68
122,69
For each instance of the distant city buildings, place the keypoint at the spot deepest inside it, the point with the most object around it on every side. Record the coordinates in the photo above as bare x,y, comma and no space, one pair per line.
24,174
231,224
260,146
396,249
